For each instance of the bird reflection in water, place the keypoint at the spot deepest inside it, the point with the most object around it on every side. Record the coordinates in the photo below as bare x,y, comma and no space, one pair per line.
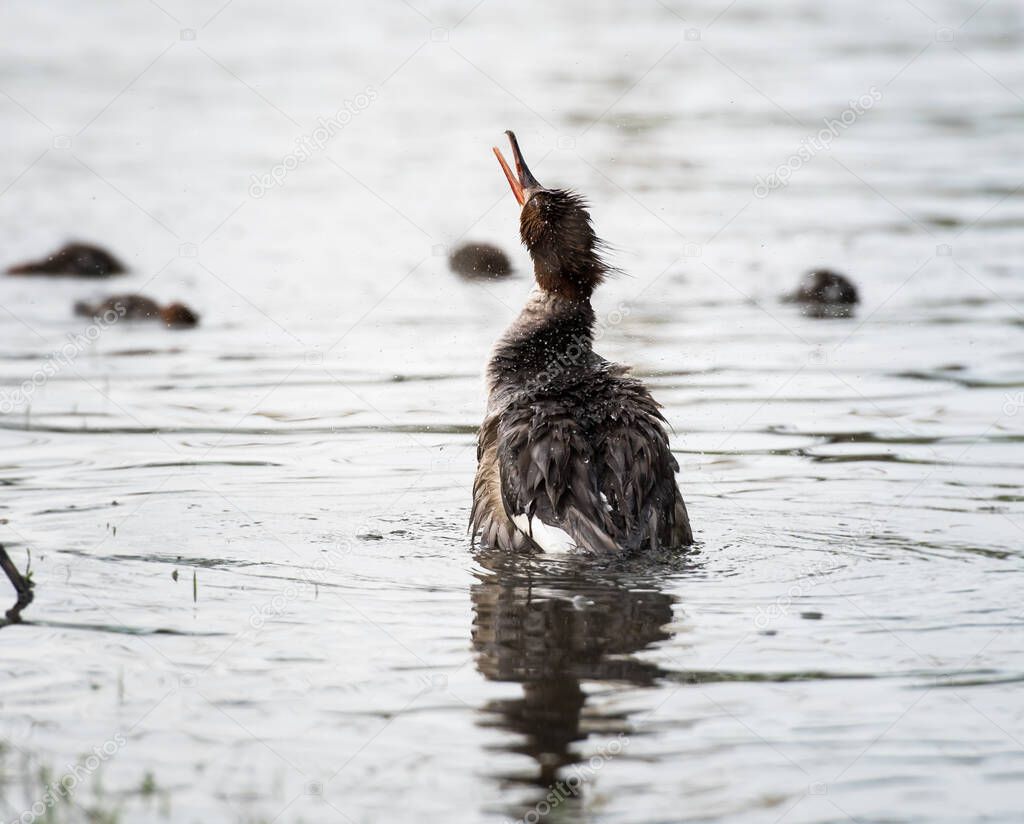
551,626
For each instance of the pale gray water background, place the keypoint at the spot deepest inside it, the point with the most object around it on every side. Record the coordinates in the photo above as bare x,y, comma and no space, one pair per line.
844,644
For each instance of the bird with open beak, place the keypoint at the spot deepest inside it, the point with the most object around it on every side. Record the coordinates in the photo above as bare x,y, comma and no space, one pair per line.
572,454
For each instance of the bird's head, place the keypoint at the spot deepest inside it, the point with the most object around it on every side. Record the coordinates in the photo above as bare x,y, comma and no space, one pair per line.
555,227
178,316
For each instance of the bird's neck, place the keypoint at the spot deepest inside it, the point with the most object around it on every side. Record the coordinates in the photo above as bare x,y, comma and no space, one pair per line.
552,333
567,271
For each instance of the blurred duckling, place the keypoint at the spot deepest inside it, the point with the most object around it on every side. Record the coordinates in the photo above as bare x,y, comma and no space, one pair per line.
479,261
137,307
824,293
80,260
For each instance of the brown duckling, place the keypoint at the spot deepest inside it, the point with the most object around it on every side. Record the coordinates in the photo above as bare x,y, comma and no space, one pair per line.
824,293
138,307
80,260
479,260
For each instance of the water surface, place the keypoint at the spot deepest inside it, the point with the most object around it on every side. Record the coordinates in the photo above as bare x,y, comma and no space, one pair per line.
248,540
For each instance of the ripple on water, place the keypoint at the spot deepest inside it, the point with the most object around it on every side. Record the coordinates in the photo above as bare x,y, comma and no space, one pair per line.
249,539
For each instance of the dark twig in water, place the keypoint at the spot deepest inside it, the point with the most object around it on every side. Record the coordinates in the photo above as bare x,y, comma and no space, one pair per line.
22,586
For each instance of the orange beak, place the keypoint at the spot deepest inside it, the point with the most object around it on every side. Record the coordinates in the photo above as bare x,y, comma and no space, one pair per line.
522,181
517,189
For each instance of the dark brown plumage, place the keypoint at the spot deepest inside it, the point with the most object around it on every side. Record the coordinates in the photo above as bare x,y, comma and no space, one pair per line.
824,293
479,260
555,226
573,452
139,307
75,260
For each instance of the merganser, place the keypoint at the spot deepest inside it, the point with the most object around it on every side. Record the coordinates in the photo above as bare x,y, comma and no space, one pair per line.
824,293
75,260
572,454
138,307
479,260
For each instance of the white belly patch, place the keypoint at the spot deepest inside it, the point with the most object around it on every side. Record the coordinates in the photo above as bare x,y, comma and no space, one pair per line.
549,538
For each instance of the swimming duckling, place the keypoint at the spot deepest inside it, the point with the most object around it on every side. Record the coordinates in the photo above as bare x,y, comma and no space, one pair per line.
137,307
825,294
74,260
479,260
572,454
